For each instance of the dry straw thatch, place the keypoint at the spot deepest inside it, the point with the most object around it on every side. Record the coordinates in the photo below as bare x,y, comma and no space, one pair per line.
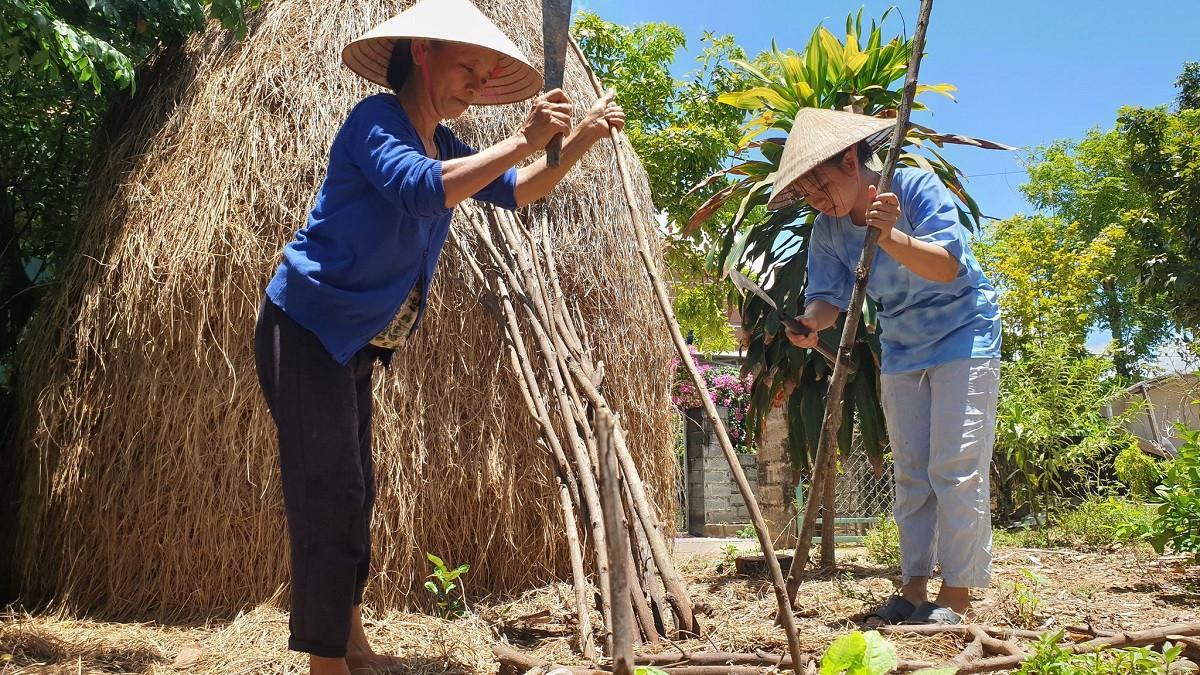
151,482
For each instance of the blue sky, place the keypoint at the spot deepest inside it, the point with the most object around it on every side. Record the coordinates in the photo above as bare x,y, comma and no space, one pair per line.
1028,72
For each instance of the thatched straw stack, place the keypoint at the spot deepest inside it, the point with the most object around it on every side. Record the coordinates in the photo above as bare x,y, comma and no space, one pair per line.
151,486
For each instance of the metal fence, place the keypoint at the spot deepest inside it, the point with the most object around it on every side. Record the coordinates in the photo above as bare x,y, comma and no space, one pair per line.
860,496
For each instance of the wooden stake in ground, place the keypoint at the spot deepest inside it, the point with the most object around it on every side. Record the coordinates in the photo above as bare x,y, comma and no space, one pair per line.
825,463
618,548
685,357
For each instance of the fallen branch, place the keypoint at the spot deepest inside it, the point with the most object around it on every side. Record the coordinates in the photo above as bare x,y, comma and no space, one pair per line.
1141,638
514,662
964,630
971,660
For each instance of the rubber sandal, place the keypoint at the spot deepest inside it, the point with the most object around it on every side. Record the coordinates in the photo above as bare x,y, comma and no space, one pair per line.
894,611
932,613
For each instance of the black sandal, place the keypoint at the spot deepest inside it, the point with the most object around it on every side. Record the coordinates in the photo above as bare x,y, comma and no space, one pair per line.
894,611
933,613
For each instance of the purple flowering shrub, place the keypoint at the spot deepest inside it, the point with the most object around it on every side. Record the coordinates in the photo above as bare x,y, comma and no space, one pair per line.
727,389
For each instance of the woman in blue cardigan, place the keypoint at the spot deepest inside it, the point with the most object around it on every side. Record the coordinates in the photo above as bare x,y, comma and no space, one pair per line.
354,281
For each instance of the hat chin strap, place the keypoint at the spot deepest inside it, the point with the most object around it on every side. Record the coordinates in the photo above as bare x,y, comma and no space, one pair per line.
427,85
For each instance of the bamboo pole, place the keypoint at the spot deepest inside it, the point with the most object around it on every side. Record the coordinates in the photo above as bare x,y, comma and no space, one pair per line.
664,303
826,447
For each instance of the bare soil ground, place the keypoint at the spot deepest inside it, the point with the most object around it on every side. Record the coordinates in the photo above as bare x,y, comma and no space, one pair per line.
1126,588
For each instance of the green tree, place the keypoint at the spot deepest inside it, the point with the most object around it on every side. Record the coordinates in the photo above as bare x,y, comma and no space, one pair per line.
1164,157
1189,86
1046,272
682,134
68,65
1090,186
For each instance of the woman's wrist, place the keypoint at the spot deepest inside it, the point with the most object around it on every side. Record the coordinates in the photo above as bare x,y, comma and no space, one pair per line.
520,145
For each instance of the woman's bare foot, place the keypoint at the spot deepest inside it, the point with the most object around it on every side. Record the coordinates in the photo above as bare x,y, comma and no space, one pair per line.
957,598
360,657
319,665
370,663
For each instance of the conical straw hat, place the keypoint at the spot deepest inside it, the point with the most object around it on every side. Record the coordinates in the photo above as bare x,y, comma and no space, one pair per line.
450,21
818,134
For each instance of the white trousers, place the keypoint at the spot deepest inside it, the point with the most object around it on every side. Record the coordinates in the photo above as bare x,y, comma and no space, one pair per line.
942,424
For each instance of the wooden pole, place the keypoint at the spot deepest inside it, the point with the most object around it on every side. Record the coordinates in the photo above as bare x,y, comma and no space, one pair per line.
618,548
826,447
664,305
566,479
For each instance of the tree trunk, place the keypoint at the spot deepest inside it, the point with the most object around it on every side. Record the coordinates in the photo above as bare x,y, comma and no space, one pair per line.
1122,357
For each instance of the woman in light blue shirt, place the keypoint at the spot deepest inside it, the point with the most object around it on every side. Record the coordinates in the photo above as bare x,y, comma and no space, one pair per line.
939,327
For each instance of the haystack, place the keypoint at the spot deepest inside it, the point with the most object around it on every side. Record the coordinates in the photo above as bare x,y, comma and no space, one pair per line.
151,485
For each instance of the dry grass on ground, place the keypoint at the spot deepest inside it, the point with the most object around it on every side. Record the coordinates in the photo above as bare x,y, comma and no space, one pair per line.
1123,589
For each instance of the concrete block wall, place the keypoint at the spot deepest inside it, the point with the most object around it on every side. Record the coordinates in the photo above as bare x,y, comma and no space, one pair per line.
715,505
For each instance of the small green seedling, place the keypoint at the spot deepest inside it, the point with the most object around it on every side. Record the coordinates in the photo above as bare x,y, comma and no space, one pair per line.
1028,597
728,559
449,604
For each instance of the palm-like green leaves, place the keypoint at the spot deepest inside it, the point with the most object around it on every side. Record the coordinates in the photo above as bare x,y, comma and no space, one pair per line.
861,72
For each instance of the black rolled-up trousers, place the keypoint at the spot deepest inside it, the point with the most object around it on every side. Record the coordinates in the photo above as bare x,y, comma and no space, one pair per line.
322,410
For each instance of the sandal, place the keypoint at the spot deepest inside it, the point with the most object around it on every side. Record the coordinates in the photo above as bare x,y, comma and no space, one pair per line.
895,610
932,613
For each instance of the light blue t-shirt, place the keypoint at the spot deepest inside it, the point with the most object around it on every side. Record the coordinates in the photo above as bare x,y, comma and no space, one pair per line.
922,323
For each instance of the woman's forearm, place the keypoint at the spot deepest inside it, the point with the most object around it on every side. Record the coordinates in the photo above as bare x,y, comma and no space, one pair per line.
464,176
538,179
926,260
823,313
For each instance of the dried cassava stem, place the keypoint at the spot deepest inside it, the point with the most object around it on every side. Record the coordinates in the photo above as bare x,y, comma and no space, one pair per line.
664,305
622,625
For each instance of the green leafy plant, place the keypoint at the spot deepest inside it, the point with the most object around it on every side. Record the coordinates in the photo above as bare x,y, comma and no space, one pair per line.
861,70
1051,657
1027,599
1138,471
729,556
1029,537
442,585
648,670
1096,523
1099,522
1051,432
747,532
1177,523
883,543
859,653
848,587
